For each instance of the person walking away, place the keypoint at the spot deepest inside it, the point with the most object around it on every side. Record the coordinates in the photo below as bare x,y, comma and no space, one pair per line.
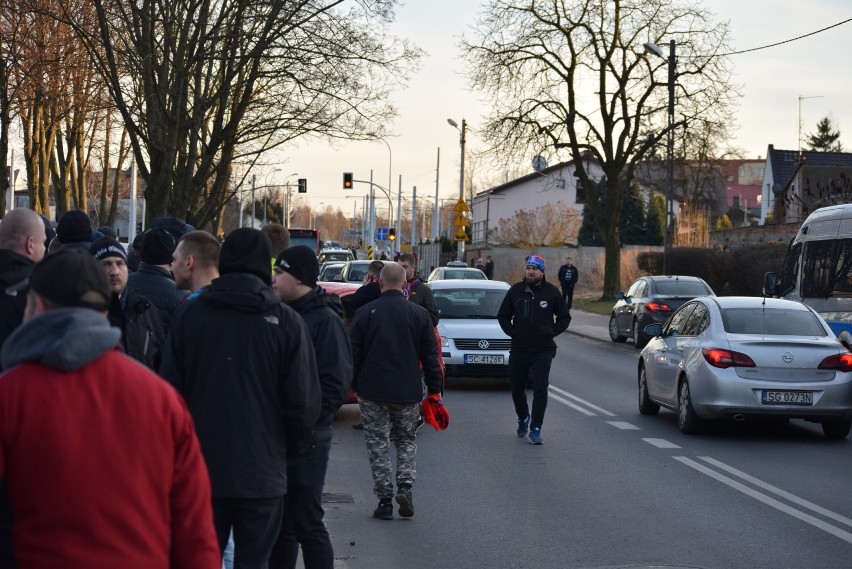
415,289
489,268
99,462
22,237
368,292
245,365
391,338
533,312
195,263
568,276
142,335
295,282
153,279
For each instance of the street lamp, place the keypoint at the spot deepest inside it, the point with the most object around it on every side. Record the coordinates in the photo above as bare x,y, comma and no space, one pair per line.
390,176
672,61
285,207
462,131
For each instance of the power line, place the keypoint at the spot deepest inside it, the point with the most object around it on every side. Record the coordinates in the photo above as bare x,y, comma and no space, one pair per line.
785,41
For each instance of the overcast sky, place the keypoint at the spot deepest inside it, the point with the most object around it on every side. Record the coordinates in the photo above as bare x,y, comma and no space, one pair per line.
772,81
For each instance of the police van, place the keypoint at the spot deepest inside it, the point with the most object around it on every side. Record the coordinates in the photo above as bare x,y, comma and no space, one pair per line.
817,267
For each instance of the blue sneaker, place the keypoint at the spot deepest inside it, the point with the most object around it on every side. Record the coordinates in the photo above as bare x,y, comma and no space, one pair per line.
535,436
523,425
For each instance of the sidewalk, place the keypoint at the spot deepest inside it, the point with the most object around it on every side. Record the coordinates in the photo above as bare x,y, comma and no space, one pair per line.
590,325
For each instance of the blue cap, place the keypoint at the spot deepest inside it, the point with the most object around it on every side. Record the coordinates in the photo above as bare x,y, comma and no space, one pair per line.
536,261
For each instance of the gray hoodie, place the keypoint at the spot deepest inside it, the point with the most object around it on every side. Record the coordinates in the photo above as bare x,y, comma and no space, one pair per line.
65,339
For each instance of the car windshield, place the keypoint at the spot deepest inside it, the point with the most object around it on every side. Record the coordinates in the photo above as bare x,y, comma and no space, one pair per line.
772,321
341,256
682,288
468,302
462,274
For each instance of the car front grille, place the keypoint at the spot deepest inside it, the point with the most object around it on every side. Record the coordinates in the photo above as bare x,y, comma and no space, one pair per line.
473,344
477,370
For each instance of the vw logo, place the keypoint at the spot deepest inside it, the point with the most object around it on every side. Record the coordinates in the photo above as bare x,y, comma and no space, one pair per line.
787,357
483,344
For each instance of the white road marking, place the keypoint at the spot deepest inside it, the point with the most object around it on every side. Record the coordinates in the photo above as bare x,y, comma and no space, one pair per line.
571,405
600,410
772,502
624,426
661,443
775,490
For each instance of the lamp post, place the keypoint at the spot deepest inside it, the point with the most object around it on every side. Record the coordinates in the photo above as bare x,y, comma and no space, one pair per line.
462,131
672,61
285,207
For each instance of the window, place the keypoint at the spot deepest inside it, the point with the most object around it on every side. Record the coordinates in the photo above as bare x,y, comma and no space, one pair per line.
581,191
771,321
825,269
697,322
633,288
790,271
678,320
680,287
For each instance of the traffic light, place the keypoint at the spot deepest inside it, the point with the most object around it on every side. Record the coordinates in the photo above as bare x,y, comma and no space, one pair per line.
303,185
347,180
392,234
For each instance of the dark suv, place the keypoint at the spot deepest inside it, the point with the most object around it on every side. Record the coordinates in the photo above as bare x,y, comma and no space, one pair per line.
651,300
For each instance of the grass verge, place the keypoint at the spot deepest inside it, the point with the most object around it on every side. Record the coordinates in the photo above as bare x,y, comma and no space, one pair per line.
592,304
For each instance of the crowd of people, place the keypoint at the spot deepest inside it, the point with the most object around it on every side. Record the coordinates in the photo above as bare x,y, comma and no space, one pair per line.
161,405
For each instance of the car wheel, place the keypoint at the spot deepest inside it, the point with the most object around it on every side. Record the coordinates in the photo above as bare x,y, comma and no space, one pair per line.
613,331
646,406
836,429
639,340
687,421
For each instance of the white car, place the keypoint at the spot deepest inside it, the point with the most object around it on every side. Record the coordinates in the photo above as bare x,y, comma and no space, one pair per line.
472,342
455,272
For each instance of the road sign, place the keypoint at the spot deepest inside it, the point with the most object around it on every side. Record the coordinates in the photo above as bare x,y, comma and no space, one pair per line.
381,234
460,235
461,207
460,221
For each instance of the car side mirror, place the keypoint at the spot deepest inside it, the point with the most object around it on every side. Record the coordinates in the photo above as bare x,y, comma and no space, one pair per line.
770,285
654,330
618,295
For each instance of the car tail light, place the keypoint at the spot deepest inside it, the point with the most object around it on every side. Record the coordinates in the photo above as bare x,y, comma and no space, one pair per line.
839,362
718,357
658,307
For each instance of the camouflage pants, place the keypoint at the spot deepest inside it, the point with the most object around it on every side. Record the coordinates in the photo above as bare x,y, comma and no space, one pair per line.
383,423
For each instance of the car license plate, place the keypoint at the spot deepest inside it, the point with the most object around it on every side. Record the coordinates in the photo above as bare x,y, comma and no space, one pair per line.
482,359
787,398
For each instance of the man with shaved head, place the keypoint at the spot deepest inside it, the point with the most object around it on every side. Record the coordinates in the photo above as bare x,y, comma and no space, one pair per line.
391,338
22,237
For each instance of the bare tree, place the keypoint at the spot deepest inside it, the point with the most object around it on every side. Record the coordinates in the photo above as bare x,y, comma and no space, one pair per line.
551,225
572,78
202,84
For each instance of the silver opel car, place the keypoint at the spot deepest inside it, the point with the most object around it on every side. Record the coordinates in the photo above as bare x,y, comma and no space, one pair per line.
740,357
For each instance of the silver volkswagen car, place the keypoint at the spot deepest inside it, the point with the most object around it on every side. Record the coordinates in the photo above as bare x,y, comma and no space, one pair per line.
472,342
740,357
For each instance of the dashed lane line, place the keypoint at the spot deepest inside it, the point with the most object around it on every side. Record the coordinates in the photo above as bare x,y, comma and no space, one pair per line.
624,426
660,443
600,410
572,405
769,501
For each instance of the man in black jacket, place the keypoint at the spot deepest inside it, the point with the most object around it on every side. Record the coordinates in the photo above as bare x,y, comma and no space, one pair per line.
245,365
568,276
295,282
369,291
532,314
142,333
416,290
391,337
153,279
22,236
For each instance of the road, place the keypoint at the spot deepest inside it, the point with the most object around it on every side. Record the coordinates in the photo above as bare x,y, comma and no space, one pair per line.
609,488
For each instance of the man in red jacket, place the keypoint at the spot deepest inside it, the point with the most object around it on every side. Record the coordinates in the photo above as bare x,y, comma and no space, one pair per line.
99,462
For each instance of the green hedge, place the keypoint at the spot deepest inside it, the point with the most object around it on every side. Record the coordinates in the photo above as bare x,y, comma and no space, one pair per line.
731,272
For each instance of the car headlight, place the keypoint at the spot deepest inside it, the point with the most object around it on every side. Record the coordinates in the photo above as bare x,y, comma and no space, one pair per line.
445,342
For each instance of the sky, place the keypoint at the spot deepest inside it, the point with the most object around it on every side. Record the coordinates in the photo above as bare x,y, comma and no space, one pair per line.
772,80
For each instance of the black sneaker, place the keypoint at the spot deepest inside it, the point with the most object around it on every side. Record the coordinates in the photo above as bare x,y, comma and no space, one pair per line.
384,511
405,502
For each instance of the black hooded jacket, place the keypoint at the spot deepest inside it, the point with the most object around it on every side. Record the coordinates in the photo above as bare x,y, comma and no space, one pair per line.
14,270
323,315
141,329
158,286
533,315
245,365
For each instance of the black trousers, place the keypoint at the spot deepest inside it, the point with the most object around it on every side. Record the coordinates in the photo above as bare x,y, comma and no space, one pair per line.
523,365
568,295
255,522
303,511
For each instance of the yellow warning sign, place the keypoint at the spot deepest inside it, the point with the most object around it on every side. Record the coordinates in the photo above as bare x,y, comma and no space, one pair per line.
461,207
461,235
460,221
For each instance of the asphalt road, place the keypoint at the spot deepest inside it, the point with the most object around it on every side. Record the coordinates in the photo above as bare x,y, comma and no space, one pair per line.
609,488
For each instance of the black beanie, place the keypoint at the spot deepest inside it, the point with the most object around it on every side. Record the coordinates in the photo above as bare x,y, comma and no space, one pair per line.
74,227
301,262
158,246
107,247
247,250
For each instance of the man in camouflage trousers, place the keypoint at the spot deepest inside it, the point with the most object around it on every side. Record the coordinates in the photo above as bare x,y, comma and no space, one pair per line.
391,337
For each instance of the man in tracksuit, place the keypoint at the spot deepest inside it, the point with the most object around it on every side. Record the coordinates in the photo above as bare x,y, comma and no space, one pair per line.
532,314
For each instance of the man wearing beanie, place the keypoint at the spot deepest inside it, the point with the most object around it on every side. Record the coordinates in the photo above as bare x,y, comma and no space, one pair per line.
295,281
245,365
532,314
153,279
139,321
74,230
99,462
